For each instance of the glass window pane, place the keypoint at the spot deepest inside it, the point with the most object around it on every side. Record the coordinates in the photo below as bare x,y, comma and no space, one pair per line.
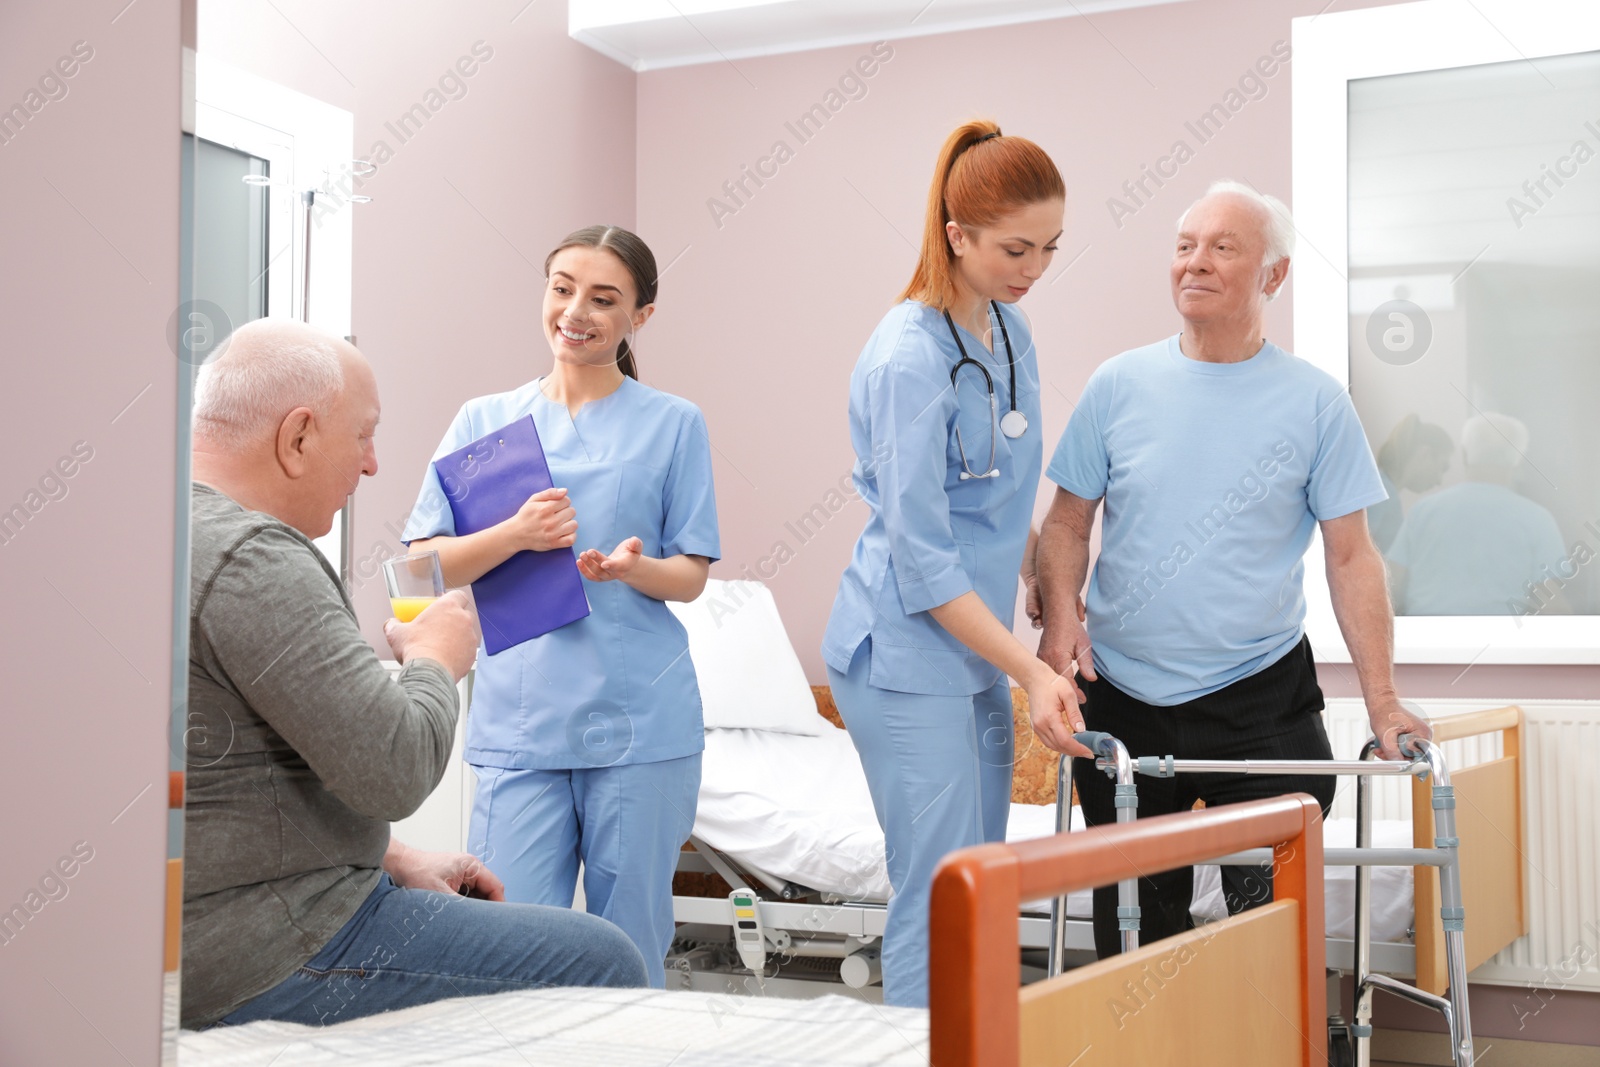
1475,331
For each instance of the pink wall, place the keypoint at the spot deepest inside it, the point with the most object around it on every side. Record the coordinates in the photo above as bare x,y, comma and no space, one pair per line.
89,210
759,322
448,256
762,318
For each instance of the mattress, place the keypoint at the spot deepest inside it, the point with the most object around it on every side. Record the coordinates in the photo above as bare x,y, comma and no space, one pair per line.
798,809
586,1028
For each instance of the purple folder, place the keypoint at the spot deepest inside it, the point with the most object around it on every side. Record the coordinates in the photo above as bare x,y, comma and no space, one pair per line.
486,483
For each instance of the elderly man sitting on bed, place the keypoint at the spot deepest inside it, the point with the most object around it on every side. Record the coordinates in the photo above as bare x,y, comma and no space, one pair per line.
1217,453
301,746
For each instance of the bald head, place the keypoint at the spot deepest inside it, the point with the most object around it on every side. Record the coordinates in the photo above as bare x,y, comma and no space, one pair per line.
283,422
267,369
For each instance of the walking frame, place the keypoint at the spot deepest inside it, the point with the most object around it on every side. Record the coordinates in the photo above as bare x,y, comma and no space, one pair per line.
1424,760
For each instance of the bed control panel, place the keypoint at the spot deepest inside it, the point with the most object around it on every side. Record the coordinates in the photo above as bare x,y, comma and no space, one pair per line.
747,932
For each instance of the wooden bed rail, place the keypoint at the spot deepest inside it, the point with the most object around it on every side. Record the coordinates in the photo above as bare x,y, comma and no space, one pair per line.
174,921
1489,822
975,1015
1473,723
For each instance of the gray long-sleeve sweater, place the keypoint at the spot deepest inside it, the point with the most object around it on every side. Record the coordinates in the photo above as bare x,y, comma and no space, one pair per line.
301,748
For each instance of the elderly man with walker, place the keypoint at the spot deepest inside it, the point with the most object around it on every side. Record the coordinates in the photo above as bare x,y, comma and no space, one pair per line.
1217,454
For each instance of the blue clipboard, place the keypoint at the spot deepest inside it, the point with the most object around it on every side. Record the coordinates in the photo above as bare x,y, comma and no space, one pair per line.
486,482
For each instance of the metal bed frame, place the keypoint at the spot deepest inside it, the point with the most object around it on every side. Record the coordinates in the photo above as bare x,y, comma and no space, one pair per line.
809,934
1347,1043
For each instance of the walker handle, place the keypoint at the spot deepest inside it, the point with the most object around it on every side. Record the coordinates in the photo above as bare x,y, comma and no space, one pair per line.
1406,744
1096,741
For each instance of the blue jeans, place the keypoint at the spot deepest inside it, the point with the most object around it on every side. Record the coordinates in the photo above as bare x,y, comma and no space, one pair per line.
405,947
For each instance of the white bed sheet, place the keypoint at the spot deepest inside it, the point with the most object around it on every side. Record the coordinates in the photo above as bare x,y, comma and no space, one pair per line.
798,808
586,1028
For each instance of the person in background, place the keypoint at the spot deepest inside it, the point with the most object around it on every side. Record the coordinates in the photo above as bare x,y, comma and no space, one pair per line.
586,740
1479,547
1217,454
919,644
301,746
1413,457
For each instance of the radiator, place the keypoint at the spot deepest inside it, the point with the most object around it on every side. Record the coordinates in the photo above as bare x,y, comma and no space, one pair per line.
1561,799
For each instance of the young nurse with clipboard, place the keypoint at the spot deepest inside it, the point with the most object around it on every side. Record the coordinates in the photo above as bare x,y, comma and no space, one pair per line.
586,740
919,644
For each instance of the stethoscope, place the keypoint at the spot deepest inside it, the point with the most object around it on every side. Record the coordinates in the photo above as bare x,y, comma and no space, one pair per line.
1013,425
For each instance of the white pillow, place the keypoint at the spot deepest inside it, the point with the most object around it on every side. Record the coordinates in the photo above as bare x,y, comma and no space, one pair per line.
750,677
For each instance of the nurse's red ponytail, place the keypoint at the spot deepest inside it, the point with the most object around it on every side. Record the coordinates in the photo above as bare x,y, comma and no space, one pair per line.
981,177
634,254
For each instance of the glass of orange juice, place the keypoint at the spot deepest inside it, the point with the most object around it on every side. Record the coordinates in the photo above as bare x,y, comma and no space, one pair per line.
414,582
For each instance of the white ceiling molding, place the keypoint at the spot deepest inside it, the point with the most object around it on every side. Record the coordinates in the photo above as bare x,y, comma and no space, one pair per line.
655,34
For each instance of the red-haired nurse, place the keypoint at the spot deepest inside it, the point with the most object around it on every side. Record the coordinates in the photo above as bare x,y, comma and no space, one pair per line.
944,419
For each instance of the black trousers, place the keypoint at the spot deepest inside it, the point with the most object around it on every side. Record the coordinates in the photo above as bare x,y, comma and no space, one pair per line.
1273,714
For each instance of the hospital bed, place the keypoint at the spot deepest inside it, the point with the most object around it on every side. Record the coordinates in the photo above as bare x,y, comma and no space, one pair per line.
978,1014
790,816
784,810
1247,989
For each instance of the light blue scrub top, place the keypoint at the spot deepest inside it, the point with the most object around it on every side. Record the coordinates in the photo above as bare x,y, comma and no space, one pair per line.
1472,548
930,536
1214,477
617,687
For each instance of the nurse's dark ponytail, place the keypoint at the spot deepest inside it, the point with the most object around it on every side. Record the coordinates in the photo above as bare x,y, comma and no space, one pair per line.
635,256
981,177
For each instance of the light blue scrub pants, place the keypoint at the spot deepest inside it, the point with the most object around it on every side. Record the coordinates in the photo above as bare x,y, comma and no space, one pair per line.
939,769
626,824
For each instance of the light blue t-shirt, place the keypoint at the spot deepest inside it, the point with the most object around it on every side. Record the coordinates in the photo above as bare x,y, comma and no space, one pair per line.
932,535
1214,477
1472,549
617,687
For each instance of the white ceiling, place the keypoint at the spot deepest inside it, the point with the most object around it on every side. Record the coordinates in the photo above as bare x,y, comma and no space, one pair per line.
652,34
